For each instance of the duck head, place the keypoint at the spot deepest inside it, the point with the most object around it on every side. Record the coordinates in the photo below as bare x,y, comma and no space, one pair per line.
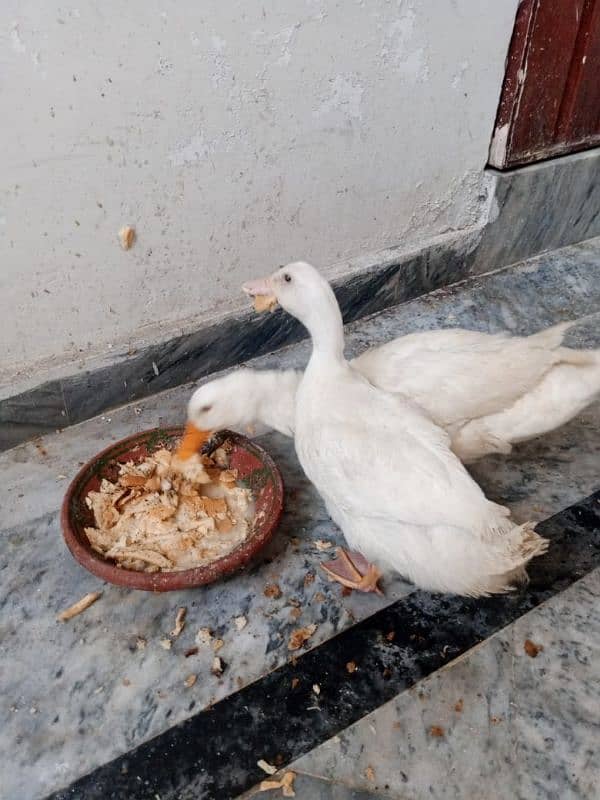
222,403
305,294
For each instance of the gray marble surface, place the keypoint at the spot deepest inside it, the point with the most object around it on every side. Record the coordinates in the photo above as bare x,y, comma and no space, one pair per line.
495,723
75,695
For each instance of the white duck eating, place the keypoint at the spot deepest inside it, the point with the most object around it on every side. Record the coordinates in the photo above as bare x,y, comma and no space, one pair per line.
386,472
488,391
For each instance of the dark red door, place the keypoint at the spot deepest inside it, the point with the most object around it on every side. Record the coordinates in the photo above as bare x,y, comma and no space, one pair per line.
550,102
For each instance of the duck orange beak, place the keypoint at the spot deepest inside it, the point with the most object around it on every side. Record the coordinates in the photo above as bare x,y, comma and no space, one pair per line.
261,291
193,439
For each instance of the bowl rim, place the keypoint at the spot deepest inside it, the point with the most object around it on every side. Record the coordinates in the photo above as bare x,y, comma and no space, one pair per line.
183,579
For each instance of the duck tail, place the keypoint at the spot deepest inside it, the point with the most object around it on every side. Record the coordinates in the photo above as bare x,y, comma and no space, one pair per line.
518,547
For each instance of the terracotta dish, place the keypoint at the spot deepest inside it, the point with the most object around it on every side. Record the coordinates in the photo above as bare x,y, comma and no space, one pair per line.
256,471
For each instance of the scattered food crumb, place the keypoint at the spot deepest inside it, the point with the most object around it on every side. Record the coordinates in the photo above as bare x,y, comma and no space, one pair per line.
309,578
166,644
458,706
316,688
140,643
191,652
79,606
126,682
300,636
272,590
179,621
436,730
295,613
397,726
320,544
351,666
218,666
370,774
286,784
126,236
204,636
319,597
266,767
295,682
495,720
217,645
190,681
532,649
390,636
240,622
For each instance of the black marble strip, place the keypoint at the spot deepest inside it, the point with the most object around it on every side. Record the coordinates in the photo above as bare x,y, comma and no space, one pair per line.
214,753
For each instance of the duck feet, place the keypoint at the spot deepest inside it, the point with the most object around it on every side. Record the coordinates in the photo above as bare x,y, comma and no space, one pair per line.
351,569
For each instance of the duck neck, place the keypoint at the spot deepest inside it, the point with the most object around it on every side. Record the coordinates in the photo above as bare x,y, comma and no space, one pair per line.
326,328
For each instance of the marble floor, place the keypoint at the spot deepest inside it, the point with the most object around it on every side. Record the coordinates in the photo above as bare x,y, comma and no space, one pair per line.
100,697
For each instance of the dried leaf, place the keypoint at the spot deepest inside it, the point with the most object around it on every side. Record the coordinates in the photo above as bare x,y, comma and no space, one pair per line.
532,649
300,636
272,590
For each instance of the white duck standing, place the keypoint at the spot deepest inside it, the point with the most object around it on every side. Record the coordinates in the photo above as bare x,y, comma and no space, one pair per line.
488,391
386,472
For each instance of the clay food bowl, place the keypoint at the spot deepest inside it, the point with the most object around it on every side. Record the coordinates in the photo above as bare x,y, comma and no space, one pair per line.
256,471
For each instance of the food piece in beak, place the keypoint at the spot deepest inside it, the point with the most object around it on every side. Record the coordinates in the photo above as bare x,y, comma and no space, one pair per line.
261,291
264,302
192,441
351,569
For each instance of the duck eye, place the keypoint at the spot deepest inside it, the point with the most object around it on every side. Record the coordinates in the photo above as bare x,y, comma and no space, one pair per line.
205,409
287,278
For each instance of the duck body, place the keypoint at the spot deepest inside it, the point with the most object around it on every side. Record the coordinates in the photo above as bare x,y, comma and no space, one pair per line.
488,391
386,470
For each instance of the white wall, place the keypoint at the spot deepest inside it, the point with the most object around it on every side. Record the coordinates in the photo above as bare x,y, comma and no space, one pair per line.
235,135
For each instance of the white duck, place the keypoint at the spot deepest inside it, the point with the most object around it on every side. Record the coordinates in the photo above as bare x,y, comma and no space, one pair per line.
487,391
386,471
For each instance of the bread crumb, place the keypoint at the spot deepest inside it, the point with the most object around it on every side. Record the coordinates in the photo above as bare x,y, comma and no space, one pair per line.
204,636
140,643
286,784
127,236
166,644
218,667
370,774
351,666
266,767
217,645
265,302
179,621
322,545
190,681
458,706
316,688
81,605
240,622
